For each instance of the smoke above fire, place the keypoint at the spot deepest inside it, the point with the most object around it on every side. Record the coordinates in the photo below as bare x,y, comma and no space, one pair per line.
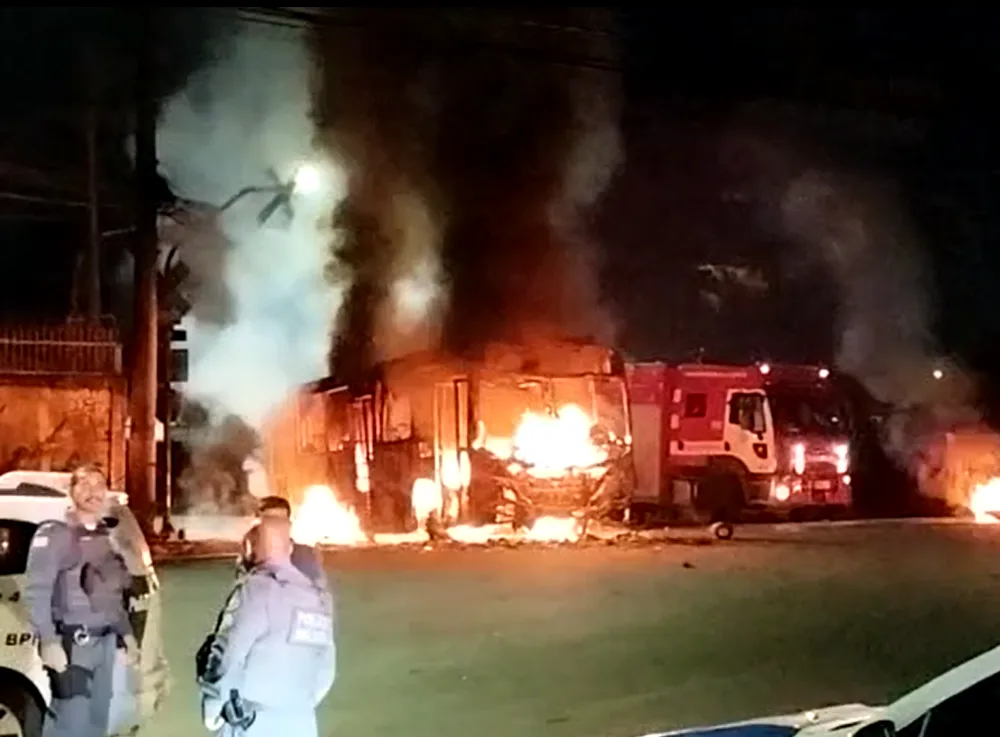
854,228
471,164
262,309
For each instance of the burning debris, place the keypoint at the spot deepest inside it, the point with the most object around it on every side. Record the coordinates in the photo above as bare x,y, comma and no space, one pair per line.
536,441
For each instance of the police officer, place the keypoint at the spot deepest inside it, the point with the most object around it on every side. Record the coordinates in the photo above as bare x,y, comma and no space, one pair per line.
275,655
304,557
76,593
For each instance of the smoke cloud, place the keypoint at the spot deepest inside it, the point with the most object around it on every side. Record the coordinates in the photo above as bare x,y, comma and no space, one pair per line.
854,228
470,168
262,310
886,339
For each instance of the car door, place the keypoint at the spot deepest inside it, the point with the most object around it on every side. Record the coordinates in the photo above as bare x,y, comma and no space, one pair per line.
137,696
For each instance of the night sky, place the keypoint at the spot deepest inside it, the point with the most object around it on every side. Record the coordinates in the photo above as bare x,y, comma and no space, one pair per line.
906,96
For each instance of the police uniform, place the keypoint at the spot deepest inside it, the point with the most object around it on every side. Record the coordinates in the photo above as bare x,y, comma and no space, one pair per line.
276,657
76,593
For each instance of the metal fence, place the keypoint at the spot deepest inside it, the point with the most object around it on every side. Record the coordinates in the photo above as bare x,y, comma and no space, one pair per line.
60,348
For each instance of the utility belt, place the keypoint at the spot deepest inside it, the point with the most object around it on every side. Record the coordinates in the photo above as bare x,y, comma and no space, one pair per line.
81,635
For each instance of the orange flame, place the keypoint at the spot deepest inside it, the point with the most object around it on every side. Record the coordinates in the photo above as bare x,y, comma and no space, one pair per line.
984,502
549,445
425,499
555,529
322,518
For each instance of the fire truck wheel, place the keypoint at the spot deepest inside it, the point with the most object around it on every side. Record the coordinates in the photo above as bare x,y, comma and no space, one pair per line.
722,531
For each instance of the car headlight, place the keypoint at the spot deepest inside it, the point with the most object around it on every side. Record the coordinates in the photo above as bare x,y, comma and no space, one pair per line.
843,453
799,458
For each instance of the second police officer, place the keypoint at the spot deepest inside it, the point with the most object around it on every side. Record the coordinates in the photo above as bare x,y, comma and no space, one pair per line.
304,557
273,657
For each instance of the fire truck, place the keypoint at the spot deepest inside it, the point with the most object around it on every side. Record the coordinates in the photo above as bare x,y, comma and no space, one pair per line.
703,442
712,441
518,433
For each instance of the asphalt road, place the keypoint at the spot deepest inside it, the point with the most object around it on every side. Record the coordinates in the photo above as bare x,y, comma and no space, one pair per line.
610,641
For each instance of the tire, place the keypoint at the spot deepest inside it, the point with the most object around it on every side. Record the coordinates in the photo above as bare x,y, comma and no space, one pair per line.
723,531
20,715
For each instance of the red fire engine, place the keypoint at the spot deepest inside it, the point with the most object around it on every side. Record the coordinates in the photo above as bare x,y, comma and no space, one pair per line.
711,441
703,441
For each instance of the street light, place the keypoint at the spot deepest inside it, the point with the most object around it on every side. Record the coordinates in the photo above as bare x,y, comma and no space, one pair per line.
307,180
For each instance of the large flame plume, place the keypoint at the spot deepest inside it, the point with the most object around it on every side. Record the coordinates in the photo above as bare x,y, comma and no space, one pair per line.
549,445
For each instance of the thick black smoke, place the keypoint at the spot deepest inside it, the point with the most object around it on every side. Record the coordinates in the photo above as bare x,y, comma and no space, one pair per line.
474,144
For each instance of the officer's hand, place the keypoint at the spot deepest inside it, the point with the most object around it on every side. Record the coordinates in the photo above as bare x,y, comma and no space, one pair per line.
131,649
213,722
54,655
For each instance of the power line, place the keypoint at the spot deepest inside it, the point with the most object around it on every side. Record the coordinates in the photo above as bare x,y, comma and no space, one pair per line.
302,18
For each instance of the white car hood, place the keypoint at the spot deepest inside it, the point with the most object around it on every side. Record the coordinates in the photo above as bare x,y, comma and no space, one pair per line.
826,720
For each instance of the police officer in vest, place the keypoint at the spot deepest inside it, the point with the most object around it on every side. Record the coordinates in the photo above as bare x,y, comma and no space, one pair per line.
76,593
275,653
304,557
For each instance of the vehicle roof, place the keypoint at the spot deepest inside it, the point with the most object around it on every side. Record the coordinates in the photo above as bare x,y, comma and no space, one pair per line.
37,496
904,710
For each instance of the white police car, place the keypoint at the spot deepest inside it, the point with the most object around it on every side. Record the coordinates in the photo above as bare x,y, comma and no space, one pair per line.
960,702
28,498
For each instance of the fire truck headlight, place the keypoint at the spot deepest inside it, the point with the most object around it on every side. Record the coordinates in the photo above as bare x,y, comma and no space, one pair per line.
799,458
843,452
782,492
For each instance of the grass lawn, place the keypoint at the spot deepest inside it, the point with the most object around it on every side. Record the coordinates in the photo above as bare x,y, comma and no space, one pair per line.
619,641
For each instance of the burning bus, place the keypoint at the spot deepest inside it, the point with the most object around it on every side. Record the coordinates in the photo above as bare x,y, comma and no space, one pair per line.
519,435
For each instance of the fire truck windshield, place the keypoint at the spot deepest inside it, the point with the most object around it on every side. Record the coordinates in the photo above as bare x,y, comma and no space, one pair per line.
804,413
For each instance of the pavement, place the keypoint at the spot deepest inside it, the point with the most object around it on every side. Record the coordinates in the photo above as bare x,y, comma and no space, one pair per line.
624,639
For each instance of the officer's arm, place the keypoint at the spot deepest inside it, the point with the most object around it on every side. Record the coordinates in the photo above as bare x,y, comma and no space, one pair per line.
237,636
49,548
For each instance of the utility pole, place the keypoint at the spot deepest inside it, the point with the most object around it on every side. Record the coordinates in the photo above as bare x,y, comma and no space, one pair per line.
141,474
164,410
93,257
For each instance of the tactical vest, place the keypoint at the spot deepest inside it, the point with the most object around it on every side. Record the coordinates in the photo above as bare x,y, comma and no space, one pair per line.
90,592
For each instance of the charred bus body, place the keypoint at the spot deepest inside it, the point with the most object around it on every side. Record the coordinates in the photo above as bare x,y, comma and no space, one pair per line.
519,433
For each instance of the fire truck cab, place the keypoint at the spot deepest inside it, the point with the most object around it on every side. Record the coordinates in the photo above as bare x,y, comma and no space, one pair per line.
704,443
813,430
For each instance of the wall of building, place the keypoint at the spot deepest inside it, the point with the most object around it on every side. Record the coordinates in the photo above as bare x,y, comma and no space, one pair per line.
53,423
